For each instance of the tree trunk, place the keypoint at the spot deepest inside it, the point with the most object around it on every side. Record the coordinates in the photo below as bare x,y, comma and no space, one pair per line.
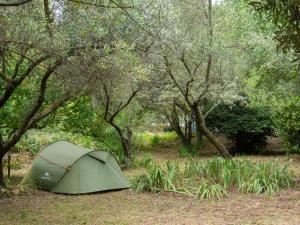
189,135
199,141
125,141
210,136
8,165
185,137
2,181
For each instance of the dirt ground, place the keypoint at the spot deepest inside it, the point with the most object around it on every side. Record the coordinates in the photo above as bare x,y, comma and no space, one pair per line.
130,208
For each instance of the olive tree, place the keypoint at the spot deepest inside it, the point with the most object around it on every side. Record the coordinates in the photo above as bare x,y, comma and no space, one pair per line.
193,52
116,76
31,78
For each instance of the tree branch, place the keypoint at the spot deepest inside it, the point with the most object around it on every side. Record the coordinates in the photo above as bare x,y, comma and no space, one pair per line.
53,107
49,20
107,101
99,5
16,3
133,94
3,72
211,109
19,62
14,83
170,73
15,137
182,59
210,56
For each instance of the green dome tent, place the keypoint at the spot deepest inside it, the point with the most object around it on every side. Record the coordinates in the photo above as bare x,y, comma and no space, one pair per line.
63,167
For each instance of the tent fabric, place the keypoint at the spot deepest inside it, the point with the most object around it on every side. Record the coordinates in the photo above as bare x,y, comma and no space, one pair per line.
63,167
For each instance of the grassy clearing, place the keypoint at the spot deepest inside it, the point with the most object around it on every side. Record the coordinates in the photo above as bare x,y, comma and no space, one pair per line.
147,140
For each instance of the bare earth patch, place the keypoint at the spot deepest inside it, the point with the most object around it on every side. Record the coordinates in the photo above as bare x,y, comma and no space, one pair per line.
128,207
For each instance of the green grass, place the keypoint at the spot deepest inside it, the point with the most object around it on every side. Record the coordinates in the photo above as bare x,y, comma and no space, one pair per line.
147,140
214,177
155,140
185,152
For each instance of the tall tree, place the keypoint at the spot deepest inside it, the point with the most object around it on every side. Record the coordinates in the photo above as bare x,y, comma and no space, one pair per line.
194,54
120,78
32,75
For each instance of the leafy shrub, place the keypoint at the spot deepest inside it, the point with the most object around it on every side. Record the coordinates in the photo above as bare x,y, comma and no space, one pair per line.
287,120
247,127
214,178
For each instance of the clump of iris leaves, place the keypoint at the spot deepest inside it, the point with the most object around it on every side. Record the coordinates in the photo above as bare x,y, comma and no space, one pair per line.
213,178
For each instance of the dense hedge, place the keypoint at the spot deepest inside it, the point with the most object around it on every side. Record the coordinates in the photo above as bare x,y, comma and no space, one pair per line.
247,127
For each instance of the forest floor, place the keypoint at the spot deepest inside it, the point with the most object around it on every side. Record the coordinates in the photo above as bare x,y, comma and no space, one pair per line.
128,207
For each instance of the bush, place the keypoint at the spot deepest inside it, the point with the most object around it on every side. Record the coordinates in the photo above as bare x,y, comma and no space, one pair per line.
287,120
246,127
214,178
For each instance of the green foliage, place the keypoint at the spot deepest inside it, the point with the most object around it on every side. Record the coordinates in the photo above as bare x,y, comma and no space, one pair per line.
285,14
287,120
153,180
147,161
247,127
168,136
15,163
34,140
78,116
146,140
214,178
188,151
184,152
155,140
207,190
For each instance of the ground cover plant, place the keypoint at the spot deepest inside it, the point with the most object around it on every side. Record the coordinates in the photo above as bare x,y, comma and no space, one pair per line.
213,178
